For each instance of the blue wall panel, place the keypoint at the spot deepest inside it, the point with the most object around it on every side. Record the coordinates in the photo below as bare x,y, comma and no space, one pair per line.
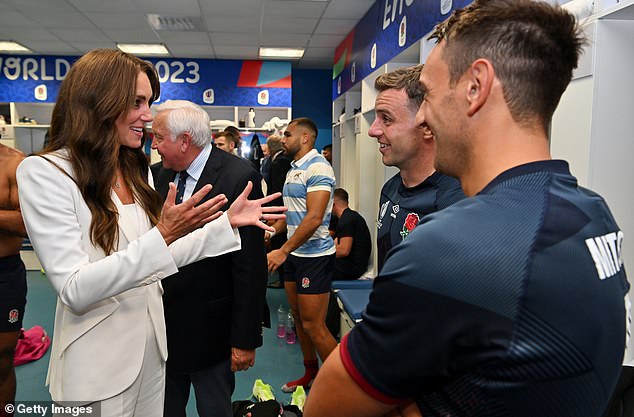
311,97
25,78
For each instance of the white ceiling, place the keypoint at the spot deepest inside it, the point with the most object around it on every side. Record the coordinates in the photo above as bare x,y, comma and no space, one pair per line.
232,29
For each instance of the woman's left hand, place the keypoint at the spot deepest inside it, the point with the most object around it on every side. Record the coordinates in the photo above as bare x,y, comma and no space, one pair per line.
245,212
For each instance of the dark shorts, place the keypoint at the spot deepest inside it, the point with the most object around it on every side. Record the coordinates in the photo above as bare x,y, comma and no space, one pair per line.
311,275
12,293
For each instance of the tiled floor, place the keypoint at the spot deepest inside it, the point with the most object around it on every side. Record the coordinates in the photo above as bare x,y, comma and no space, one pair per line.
276,362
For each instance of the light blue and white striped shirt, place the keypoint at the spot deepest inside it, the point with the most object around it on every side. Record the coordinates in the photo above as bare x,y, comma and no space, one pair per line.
310,173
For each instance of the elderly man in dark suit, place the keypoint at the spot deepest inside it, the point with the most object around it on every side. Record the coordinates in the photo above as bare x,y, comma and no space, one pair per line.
214,308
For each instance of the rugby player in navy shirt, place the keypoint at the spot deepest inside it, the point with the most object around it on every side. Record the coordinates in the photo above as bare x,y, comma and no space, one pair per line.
510,302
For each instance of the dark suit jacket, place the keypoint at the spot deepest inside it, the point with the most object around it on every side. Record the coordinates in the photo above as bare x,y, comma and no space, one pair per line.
217,303
279,166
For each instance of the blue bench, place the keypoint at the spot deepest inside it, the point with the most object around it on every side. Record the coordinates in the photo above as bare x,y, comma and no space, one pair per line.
351,284
352,303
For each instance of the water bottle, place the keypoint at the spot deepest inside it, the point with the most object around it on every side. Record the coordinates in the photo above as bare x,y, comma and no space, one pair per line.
291,337
281,322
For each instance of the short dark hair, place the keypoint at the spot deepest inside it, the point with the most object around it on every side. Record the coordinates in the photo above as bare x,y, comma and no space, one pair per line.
233,134
341,194
533,46
232,129
306,123
407,79
329,146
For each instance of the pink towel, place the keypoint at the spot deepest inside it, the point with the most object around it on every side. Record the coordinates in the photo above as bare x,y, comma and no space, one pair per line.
32,345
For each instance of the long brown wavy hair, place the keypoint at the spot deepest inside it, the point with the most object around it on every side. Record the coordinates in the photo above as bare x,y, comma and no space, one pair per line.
99,88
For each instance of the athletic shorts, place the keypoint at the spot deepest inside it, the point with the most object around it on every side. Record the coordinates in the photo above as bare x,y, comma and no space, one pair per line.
12,293
311,275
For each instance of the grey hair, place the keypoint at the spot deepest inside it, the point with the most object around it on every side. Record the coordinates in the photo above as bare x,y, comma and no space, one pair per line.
187,117
274,143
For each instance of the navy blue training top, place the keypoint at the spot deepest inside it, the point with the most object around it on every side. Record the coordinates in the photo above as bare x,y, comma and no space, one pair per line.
510,303
401,208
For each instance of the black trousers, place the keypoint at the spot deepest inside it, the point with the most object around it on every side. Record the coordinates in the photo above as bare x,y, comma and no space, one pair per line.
213,388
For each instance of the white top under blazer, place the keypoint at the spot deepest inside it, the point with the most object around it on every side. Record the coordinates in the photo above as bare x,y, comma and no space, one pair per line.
104,303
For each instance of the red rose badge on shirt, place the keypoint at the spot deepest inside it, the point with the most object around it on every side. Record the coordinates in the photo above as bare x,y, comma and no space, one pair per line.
411,221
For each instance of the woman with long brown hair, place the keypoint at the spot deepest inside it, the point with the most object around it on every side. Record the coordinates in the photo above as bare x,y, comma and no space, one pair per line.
104,240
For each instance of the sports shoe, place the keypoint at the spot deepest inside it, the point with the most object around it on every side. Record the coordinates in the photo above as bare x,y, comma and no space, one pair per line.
299,397
310,372
291,387
262,391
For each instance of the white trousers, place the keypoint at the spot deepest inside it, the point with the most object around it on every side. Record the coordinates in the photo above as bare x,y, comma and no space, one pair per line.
146,396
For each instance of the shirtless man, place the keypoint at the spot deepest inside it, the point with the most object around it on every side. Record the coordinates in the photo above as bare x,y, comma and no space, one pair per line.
12,272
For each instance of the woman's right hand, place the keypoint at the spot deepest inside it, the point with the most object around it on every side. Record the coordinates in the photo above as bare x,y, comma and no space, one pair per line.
179,219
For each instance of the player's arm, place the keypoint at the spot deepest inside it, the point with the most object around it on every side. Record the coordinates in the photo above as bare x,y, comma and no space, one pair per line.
280,227
344,245
316,203
335,393
11,222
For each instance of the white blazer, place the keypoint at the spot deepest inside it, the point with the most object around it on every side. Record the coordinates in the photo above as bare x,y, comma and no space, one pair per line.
105,303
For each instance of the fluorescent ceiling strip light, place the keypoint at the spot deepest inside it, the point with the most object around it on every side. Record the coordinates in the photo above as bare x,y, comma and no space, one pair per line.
10,46
143,49
281,53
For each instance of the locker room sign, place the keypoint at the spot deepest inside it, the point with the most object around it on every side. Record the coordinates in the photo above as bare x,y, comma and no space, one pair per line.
388,28
28,78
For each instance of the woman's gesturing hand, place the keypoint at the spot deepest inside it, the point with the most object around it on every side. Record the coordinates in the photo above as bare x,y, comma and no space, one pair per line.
179,219
245,212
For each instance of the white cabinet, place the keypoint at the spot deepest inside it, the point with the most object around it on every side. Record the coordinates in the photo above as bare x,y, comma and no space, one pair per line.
26,136
344,110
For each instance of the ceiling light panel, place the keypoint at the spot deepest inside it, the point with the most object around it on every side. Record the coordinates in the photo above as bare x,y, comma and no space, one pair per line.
143,49
292,53
9,46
